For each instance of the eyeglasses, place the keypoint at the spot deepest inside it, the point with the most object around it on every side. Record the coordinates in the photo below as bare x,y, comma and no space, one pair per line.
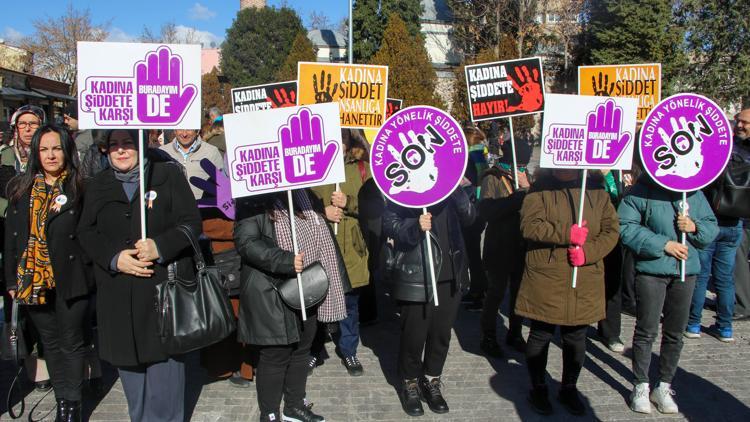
24,125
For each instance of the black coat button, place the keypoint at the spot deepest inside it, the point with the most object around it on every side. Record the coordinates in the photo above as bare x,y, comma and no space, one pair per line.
128,214
71,236
15,233
71,257
127,241
72,211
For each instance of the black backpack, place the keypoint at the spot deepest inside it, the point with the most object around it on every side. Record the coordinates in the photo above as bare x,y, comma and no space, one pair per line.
729,195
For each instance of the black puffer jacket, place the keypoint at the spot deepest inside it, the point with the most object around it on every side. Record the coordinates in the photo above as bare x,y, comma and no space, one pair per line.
412,282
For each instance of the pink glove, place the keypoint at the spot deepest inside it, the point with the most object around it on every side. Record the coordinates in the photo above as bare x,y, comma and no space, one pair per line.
576,257
578,234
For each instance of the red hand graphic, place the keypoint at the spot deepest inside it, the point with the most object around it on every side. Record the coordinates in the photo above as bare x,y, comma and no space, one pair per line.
283,99
528,88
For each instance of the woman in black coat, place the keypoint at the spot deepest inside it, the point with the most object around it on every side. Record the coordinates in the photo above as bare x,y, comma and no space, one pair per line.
128,270
425,327
45,268
263,240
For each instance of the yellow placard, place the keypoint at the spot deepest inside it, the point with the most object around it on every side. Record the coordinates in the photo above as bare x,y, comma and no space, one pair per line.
360,90
640,81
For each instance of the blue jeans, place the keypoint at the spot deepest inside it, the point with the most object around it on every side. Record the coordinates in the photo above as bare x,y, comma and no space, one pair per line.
349,327
717,261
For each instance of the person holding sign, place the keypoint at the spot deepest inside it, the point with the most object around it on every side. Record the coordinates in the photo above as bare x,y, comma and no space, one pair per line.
652,221
45,267
556,244
424,326
503,245
128,270
263,237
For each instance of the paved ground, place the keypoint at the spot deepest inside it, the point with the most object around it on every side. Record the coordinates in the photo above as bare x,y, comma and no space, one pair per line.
713,383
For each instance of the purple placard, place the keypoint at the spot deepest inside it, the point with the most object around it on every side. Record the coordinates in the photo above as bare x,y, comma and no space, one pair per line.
419,156
685,142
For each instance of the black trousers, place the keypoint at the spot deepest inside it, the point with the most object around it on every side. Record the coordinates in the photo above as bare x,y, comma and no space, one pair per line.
628,280
426,328
473,239
610,326
282,371
742,275
499,279
60,326
537,348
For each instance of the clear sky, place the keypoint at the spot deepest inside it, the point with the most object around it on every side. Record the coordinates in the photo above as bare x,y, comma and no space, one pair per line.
128,18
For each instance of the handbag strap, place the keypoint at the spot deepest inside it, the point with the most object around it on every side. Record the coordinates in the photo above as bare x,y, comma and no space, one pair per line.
200,263
14,332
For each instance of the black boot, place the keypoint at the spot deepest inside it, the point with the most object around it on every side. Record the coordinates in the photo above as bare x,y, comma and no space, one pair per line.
74,411
539,399
430,391
570,398
410,398
489,346
61,414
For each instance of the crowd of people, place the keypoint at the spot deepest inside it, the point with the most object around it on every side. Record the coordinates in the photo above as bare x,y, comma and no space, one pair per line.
73,249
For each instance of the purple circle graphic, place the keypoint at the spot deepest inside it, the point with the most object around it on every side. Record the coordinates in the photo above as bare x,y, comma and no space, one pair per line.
685,142
419,156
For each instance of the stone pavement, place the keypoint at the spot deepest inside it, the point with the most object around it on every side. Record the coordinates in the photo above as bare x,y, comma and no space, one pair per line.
712,384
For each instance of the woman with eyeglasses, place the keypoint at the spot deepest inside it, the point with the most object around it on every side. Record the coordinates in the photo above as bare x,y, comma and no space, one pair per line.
128,269
504,248
46,270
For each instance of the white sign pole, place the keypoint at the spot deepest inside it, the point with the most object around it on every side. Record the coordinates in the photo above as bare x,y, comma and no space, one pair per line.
580,218
431,262
295,248
142,182
513,152
684,209
351,60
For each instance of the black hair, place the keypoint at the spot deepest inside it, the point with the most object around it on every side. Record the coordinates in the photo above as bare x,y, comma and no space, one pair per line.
22,183
132,132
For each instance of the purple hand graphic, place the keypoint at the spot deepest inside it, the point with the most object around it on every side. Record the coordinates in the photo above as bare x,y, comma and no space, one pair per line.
604,144
307,157
161,97
217,189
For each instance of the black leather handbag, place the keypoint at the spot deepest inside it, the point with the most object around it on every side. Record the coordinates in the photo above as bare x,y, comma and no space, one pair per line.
314,286
193,314
729,196
14,349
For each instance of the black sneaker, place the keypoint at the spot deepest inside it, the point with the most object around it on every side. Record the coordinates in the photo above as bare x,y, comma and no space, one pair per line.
410,400
539,399
301,415
312,365
353,366
570,398
43,386
236,380
489,347
430,391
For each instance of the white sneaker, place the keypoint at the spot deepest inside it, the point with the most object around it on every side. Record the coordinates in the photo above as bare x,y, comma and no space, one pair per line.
662,398
616,346
639,398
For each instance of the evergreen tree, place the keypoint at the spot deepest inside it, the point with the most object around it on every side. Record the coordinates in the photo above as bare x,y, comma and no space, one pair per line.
411,76
302,51
257,44
636,31
215,93
718,37
370,18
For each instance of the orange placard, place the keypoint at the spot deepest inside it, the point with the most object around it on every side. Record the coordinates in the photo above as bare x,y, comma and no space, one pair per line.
360,90
640,81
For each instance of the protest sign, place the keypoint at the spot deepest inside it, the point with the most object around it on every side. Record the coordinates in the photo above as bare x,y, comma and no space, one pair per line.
504,89
419,156
639,81
685,144
393,105
360,91
418,159
285,148
686,141
585,132
132,86
264,97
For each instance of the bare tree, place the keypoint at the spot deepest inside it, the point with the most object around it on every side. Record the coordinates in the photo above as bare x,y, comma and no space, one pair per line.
343,26
53,43
566,28
319,21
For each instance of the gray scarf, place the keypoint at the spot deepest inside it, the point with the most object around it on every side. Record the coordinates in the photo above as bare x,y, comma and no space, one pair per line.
130,178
